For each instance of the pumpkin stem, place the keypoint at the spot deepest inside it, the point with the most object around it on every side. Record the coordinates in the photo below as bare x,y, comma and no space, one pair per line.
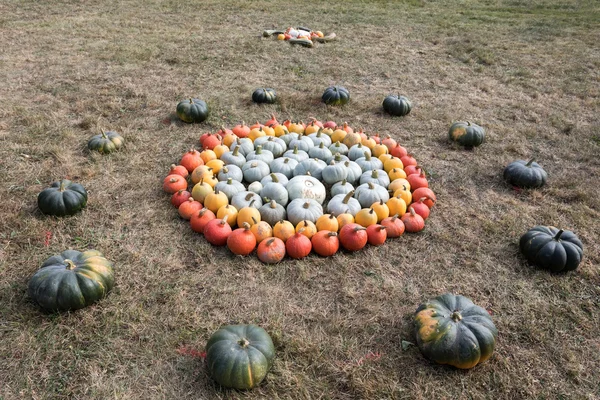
224,220
558,234
243,343
70,264
236,151
286,160
274,178
63,184
103,133
412,211
270,241
306,205
258,149
529,162
191,101
331,234
273,204
254,220
456,316
348,197
246,225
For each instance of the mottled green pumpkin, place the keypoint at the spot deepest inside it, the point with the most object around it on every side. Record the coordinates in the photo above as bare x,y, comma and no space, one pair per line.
192,110
106,142
336,95
450,329
397,105
525,174
466,134
62,198
264,95
239,356
551,248
71,280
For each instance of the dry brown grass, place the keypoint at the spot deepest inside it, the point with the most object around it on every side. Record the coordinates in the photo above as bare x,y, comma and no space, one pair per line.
526,70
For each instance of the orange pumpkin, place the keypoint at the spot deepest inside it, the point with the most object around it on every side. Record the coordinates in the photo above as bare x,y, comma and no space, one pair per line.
208,155
261,230
392,163
327,222
413,222
376,235
353,237
417,181
217,231
248,215
242,241
179,197
396,205
215,200
381,209
271,250
241,130
298,246
189,208
283,230
396,173
366,217
216,166
203,172
325,243
191,160
394,226
173,183
308,228
427,193
179,170
200,219
345,219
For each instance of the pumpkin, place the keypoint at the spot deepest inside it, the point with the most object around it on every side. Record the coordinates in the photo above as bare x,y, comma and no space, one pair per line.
207,155
354,171
421,208
216,165
192,110
312,128
242,241
334,173
261,230
217,231
525,174
201,190
369,193
379,150
376,234
339,147
335,96
179,170
179,197
366,217
191,160
413,169
275,177
255,187
343,203
297,127
275,191
280,130
260,154
67,198
231,172
344,219
306,187
71,280
271,250
338,135
246,199
189,208
466,134
230,211
215,200
357,151
394,226
342,187
303,143
325,243
398,151
296,154
307,228
451,330
210,140
393,163
397,105
248,215
417,180
283,230
353,138
381,209
239,356
389,142
427,193
327,222
397,173
275,146
234,157
106,142
320,151
550,248
298,246
408,160
203,172
255,170
377,176
397,205
174,183
241,130
285,166
368,163
245,146
199,220
272,212
413,222
228,139
318,138
264,95
301,209
353,237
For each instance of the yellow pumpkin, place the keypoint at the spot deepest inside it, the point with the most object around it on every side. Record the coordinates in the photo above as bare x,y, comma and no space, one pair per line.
268,130
368,142
229,139
256,133
351,139
200,173
338,136
296,127
404,194
381,209
379,150
366,217
249,215
308,228
220,150
216,166
280,130
229,211
200,190
392,163
283,230
344,219
311,128
327,131
397,184
384,157
207,155
261,230
396,205
215,200
396,173
211,180
327,222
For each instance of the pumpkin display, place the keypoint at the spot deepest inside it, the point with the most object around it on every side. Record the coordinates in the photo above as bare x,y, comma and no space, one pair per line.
525,174
466,134
551,248
106,142
451,330
335,96
71,280
67,198
239,356
397,105
192,110
264,95
271,250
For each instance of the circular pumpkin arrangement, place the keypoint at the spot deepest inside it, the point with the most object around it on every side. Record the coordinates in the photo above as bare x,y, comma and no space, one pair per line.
293,188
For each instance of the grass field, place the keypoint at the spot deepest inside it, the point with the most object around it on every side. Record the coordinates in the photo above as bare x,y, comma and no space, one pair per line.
527,70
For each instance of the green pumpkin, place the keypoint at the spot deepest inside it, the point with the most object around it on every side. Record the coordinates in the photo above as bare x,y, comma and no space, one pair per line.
466,134
62,198
452,330
264,95
239,356
336,95
192,110
72,280
397,105
550,248
525,174
106,142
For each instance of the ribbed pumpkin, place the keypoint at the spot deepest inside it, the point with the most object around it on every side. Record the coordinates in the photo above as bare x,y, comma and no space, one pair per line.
192,110
67,198
394,226
217,231
106,142
397,105
239,356
242,241
336,95
376,234
450,329
71,280
525,174
298,246
466,134
264,95
325,243
199,220
550,248
271,250
353,237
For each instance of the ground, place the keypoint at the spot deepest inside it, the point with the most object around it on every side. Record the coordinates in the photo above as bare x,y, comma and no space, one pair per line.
526,70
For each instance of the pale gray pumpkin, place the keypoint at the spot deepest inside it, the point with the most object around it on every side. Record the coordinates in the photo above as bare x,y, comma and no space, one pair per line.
275,191
367,162
312,166
274,145
272,212
230,188
320,137
288,137
246,146
260,154
337,158
231,171
357,151
234,157
255,187
296,154
338,147
285,166
275,177
354,171
334,173
255,170
306,187
342,187
369,193
377,176
302,143
246,199
321,152
343,203
303,209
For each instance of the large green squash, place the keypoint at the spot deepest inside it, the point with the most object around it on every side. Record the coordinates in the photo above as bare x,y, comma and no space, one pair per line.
71,280
466,134
239,356
106,142
264,95
452,330
551,248
192,110
62,198
336,95
525,174
397,105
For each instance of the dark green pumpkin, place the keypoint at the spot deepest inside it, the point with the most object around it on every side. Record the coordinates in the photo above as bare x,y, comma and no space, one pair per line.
397,105
336,95
62,198
525,174
466,134
192,110
239,356
71,280
452,330
551,248
264,95
106,142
